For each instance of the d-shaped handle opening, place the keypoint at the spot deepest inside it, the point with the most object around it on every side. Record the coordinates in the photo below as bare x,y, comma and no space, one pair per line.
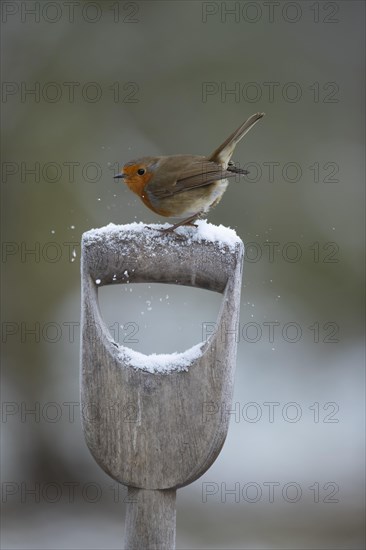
117,255
162,363
154,318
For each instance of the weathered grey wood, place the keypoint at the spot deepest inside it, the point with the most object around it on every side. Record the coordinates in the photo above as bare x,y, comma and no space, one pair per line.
151,430
150,519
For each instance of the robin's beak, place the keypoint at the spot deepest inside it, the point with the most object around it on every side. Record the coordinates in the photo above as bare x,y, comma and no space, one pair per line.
119,176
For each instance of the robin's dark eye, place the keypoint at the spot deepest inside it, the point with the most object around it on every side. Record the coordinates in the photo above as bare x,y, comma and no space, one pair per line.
141,171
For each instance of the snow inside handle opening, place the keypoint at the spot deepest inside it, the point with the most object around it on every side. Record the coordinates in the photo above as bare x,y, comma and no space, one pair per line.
156,432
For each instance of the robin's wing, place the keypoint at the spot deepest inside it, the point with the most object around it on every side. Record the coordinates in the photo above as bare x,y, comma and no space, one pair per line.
196,173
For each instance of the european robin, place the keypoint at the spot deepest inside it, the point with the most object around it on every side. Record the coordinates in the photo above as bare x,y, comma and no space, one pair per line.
185,186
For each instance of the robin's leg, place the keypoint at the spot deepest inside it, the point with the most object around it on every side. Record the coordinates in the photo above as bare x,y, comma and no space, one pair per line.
188,221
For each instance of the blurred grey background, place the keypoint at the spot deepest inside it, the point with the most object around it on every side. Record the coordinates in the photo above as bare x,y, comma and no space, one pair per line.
116,80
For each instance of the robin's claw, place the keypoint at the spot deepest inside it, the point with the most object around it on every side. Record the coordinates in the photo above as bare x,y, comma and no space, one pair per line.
166,231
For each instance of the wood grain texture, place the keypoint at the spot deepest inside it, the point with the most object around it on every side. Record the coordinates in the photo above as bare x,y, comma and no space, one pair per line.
155,431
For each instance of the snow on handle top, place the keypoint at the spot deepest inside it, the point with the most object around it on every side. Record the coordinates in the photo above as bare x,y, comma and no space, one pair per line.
224,236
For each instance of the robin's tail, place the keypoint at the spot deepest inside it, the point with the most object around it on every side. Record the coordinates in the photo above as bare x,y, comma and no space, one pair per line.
223,153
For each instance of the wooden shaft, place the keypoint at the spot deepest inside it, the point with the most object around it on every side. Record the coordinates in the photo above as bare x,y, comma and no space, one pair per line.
150,519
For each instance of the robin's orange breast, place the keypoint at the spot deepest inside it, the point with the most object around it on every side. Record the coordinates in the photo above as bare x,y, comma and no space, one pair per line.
138,184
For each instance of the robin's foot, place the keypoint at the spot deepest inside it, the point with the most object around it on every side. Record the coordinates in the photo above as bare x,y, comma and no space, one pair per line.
172,228
188,222
166,230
